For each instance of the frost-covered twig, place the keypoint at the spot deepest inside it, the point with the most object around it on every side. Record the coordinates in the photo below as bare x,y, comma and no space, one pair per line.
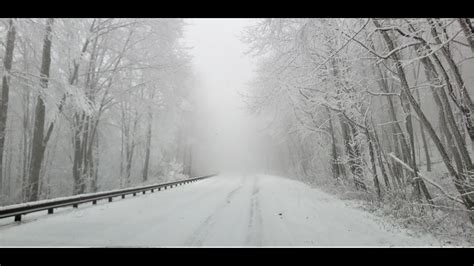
382,93
425,179
343,46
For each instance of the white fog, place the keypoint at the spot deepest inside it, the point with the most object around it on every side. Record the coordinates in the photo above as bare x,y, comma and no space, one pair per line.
228,135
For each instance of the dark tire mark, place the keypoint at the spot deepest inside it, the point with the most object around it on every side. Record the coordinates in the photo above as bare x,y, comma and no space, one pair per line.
198,236
254,235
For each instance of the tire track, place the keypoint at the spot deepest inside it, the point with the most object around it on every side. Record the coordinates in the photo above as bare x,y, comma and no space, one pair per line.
254,235
203,230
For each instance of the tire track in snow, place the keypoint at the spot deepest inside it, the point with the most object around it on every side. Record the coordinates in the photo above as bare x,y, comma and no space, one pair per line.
273,203
254,235
203,230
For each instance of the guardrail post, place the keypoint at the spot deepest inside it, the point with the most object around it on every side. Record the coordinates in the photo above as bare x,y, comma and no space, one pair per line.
144,192
50,211
159,189
18,218
134,194
110,199
123,196
94,202
74,205
152,190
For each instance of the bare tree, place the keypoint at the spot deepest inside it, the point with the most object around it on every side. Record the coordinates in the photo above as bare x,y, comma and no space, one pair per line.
39,142
7,64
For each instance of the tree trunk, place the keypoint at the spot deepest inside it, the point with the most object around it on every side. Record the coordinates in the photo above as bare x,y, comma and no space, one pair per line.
444,129
27,133
148,147
7,66
94,187
190,161
372,162
335,157
353,153
468,30
38,145
423,139
380,156
77,161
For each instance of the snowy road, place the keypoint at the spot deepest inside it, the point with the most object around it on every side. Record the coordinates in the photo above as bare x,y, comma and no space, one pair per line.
226,210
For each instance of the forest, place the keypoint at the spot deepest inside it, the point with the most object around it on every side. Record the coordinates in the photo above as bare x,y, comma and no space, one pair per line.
91,104
377,109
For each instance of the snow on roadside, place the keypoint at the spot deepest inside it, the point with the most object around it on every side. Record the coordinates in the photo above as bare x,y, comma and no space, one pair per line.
314,217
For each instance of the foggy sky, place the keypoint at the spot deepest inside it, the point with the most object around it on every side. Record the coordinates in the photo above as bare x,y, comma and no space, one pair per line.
228,137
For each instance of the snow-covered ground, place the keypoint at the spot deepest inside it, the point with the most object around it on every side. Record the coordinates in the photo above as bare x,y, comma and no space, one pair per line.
226,210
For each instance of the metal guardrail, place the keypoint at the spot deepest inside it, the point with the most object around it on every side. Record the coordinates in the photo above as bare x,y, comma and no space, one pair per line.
74,201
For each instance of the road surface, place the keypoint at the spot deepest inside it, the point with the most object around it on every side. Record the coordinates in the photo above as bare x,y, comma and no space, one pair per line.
226,210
